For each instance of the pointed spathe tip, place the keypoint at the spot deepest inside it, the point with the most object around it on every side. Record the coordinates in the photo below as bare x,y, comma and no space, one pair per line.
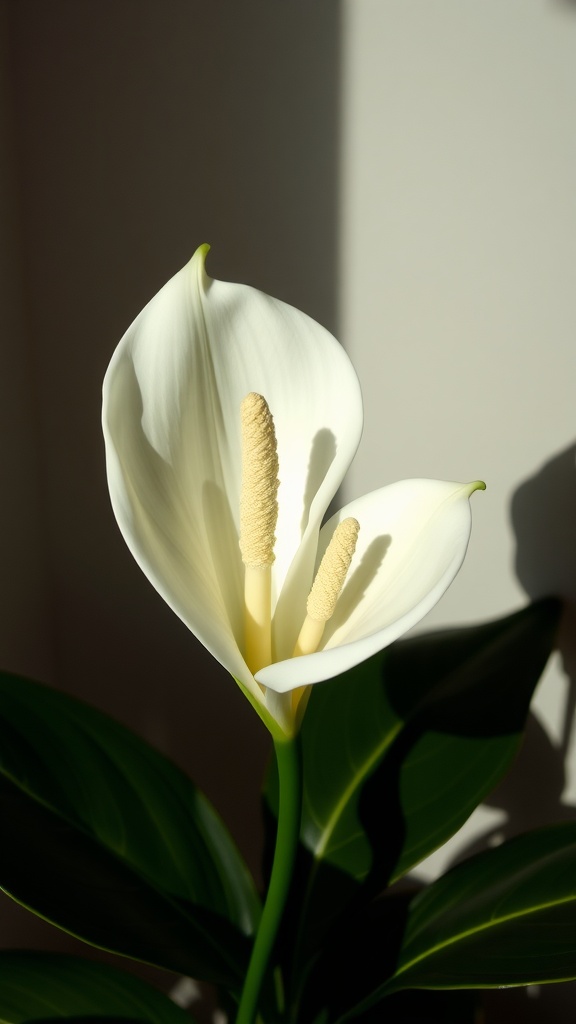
202,251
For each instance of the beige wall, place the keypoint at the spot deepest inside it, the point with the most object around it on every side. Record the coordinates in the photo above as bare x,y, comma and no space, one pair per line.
458,307
459,263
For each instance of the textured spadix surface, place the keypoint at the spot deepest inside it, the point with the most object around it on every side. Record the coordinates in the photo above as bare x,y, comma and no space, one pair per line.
171,417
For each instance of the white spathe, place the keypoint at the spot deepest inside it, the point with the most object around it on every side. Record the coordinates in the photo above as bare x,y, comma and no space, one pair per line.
171,421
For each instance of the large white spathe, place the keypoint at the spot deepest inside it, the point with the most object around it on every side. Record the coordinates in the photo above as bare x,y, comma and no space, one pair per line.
171,420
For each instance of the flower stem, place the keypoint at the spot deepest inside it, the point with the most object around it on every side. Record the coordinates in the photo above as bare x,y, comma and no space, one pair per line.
288,757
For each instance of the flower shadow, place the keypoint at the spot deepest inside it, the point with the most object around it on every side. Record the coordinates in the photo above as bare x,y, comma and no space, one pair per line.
322,455
543,513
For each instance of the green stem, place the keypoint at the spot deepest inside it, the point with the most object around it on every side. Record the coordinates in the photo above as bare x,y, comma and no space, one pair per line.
288,756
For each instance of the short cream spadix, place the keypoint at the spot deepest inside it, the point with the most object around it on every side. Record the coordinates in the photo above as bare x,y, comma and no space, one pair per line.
230,419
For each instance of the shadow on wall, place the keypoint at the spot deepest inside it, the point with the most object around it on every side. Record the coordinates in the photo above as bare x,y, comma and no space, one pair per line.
543,514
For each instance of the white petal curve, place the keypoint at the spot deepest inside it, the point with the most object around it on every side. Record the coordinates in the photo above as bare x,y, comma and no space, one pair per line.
171,424
412,541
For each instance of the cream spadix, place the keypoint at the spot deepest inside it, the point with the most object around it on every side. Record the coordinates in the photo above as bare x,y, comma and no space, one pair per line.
258,517
327,586
174,451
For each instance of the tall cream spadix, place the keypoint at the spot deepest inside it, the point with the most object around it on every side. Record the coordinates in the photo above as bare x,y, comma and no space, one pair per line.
258,517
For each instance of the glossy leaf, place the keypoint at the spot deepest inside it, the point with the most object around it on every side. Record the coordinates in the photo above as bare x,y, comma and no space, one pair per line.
71,880
425,732
103,777
502,918
398,753
48,986
357,958
133,858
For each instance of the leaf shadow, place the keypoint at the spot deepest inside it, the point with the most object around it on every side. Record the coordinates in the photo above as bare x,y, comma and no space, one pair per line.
542,514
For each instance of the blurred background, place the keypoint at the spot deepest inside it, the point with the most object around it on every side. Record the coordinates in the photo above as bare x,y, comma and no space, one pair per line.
403,171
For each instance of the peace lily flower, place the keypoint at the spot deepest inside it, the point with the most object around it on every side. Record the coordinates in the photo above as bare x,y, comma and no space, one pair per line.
230,419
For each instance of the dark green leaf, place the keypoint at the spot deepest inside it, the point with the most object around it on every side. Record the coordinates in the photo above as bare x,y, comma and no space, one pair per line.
356,959
399,752
504,917
132,857
398,756
101,776
48,986
56,870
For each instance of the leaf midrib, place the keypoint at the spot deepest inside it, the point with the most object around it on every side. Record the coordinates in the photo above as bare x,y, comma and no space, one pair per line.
175,902
493,922
346,796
